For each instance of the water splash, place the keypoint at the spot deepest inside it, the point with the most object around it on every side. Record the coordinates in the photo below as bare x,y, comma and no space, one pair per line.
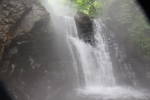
97,67
95,61
113,93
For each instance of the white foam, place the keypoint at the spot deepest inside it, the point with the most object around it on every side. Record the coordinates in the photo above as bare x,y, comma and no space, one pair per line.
114,93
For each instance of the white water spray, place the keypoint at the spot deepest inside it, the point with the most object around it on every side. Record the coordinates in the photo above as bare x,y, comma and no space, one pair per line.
95,61
96,65
59,7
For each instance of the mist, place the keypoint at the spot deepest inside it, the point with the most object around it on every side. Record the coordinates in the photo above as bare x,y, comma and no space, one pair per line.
74,50
60,7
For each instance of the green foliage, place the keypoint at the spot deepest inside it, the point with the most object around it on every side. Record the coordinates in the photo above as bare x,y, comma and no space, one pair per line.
140,33
128,15
124,13
89,7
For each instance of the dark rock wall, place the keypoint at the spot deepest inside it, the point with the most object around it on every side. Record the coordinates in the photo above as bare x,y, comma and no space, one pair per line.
23,63
84,27
26,31
17,16
35,64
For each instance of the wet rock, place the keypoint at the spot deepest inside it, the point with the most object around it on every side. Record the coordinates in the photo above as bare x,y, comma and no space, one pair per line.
26,34
21,7
84,26
5,13
13,51
4,6
5,28
2,38
12,4
6,20
0,29
15,17
11,21
31,44
12,11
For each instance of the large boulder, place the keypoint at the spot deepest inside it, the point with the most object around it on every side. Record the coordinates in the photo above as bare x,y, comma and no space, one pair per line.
18,17
84,27
26,31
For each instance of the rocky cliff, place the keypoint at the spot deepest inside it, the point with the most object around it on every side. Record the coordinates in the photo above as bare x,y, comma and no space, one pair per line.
35,63
18,17
25,32
84,27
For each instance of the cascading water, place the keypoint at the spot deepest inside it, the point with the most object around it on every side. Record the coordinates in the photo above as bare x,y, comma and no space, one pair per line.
95,63
92,64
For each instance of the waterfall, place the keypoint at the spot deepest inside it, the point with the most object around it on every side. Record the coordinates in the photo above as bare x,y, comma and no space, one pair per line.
71,32
95,61
94,65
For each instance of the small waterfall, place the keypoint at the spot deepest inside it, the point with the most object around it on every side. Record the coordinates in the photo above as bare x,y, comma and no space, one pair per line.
71,32
95,61
94,65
